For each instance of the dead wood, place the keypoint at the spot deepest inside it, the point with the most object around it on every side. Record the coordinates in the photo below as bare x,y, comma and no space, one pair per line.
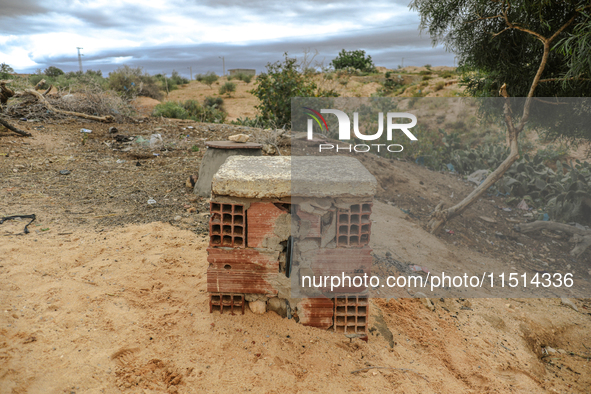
581,237
14,129
41,98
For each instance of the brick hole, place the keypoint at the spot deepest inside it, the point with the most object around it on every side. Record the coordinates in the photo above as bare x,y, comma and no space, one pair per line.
340,320
227,208
341,301
355,219
216,218
355,208
227,267
365,219
238,241
343,240
227,240
364,238
238,209
216,240
351,320
237,299
344,218
238,230
354,240
341,309
361,301
216,298
226,299
227,230
239,220
365,228
366,208
340,329
361,319
214,207
216,229
227,219
354,229
343,230
351,310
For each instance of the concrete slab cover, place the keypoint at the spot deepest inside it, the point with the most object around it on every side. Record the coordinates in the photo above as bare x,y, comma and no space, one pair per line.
284,176
232,145
214,158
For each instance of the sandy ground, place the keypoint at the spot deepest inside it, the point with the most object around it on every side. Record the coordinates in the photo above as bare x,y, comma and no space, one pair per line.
107,294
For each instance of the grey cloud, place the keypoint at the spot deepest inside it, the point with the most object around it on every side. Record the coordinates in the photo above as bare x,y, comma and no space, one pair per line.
387,47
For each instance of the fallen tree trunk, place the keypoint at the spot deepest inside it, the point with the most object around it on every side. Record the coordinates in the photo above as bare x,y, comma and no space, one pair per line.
581,237
50,107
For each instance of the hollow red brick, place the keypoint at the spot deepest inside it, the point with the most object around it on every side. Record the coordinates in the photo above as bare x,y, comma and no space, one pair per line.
227,225
316,312
228,302
354,225
351,314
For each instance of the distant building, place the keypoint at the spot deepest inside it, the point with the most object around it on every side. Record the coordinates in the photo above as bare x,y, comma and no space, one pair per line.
247,71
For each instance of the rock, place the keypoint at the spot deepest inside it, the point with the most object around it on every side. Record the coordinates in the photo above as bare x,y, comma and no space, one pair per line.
277,305
569,303
239,138
425,300
258,307
177,218
269,149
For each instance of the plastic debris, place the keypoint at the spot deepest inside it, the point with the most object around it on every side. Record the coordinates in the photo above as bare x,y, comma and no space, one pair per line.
85,131
523,206
65,172
417,268
450,232
151,201
451,167
478,177
545,217
155,139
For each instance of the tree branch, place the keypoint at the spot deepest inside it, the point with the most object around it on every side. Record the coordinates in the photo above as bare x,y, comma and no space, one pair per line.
12,128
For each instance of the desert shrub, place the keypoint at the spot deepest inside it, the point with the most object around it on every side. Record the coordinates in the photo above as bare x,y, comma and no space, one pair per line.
53,72
178,79
199,77
276,87
425,78
446,74
328,76
354,59
227,88
190,109
247,78
209,78
425,72
5,71
216,102
131,82
438,86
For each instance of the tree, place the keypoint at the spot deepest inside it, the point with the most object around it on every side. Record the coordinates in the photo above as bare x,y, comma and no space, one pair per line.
354,59
209,78
53,72
276,87
5,71
526,48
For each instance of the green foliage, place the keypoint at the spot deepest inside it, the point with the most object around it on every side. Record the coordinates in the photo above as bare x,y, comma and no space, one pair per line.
53,72
241,77
191,109
258,121
131,82
276,87
208,78
5,71
227,88
439,85
216,102
491,52
353,59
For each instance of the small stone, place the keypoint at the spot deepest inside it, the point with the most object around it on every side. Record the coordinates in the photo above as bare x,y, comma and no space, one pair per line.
569,303
239,138
258,307
177,218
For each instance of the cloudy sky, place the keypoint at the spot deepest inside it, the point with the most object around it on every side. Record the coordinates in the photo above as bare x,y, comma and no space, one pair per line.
163,35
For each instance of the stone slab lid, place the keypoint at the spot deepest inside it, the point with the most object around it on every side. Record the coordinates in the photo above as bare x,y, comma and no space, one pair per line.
286,176
232,145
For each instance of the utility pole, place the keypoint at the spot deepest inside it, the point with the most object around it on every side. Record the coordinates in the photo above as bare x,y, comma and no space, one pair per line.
402,65
191,70
223,65
80,58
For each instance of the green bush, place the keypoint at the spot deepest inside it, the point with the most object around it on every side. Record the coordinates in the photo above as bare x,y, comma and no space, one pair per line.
354,59
131,82
190,109
227,88
5,71
276,87
446,74
216,102
209,78
53,72
440,85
